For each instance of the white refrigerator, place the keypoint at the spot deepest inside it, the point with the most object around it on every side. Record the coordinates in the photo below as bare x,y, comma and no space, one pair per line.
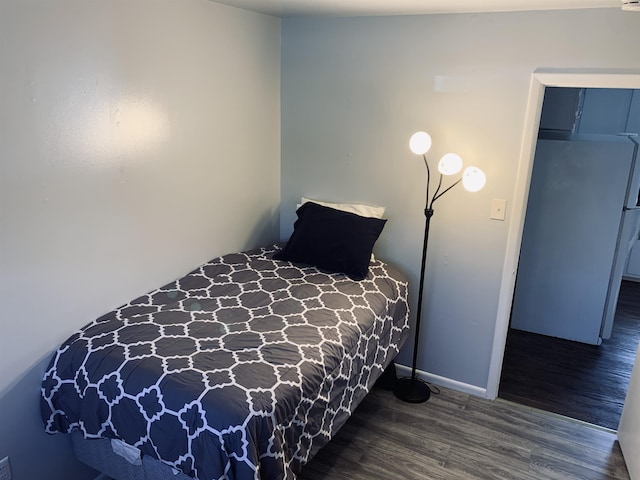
582,219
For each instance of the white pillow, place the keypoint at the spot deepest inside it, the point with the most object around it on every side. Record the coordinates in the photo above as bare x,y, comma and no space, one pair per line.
358,209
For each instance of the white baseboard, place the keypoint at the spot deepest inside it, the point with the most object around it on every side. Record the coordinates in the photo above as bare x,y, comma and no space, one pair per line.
404,371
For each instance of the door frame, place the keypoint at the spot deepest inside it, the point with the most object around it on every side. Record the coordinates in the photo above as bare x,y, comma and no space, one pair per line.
540,79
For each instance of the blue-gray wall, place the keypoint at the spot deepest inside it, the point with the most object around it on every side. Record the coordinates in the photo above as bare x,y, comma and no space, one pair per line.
355,89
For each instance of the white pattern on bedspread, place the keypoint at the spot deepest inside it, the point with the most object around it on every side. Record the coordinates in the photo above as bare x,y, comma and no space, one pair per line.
240,370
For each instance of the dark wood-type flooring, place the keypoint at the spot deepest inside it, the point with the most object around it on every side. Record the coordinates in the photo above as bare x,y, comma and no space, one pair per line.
455,436
581,381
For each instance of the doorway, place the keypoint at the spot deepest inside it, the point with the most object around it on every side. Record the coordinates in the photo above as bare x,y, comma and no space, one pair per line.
539,81
581,223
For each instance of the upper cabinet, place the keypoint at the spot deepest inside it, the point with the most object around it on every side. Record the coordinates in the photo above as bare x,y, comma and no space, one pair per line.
633,122
600,111
560,109
606,111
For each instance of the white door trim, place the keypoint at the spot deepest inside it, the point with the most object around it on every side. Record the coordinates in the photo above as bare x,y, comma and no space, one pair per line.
541,78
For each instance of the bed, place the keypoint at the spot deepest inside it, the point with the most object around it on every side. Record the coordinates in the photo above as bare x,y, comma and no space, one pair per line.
242,369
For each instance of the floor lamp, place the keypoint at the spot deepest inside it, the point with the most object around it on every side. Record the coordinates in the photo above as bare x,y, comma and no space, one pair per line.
413,389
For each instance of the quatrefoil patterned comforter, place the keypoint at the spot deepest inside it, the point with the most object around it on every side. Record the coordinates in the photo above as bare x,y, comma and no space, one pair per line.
242,369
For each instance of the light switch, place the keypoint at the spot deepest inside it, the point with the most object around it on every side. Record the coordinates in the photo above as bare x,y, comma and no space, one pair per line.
498,208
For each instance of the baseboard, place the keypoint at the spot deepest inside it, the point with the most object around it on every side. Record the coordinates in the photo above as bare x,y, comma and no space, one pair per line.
404,371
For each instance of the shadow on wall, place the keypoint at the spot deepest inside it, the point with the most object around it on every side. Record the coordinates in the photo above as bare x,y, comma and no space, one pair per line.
32,452
266,231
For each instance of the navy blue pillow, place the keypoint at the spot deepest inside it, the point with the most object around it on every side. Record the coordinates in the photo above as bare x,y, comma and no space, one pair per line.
332,240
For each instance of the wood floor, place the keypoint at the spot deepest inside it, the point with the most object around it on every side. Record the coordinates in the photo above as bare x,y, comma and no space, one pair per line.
580,381
455,436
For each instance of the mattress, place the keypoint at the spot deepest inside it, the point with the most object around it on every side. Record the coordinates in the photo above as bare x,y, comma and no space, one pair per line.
241,369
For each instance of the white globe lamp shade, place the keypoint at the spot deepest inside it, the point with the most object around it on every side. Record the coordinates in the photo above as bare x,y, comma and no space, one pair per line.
450,164
420,143
473,179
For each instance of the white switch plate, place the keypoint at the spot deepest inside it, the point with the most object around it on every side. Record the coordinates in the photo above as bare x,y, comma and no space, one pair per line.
498,208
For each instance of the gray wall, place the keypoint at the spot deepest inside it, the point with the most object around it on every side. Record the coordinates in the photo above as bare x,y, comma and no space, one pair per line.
355,89
137,141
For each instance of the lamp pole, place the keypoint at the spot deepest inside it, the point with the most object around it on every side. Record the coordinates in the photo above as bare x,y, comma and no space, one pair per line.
412,389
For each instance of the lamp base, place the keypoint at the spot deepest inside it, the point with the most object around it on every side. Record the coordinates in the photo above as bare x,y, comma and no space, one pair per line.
412,390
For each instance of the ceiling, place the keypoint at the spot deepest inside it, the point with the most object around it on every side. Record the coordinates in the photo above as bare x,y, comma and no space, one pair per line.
287,8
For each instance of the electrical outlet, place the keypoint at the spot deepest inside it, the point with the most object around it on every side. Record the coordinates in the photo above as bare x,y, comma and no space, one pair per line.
5,469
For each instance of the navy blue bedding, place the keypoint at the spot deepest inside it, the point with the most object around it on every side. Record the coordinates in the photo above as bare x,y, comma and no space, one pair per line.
240,370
